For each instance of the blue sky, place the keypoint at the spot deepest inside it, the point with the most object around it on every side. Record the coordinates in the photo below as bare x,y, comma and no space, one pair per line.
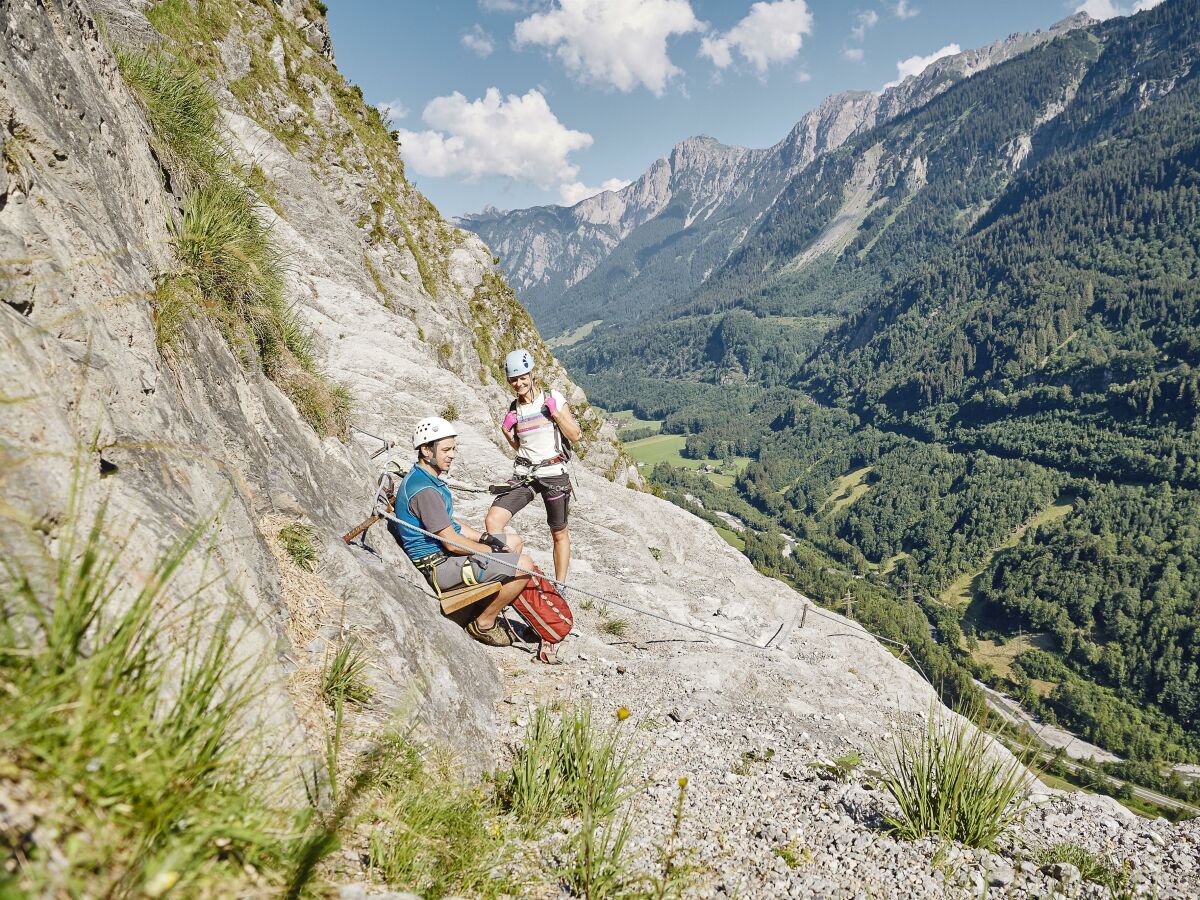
515,103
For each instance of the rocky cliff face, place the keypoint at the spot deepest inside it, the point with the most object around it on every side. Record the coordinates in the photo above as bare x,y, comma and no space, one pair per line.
409,317
658,239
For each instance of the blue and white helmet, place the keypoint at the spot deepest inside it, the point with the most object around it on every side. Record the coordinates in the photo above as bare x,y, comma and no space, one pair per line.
519,362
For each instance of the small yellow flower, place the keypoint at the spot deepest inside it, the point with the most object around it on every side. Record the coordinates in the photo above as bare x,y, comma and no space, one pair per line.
683,782
622,714
161,883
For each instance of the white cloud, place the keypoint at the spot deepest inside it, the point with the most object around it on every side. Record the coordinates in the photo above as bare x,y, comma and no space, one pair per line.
393,109
622,43
576,191
478,41
770,33
904,11
1099,9
804,77
514,136
915,65
1107,9
862,22
854,54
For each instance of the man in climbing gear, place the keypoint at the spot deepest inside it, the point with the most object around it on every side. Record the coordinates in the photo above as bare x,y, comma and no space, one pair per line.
540,427
423,500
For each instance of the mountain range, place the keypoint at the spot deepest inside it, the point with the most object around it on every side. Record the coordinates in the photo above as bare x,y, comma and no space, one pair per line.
661,237
959,345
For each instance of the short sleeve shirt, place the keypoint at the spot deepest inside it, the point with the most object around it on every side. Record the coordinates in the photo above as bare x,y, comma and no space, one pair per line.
430,510
537,435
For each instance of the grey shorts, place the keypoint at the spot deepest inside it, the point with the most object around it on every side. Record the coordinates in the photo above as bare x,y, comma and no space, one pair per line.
485,566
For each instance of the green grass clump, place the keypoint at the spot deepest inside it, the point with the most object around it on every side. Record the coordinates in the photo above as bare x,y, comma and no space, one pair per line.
616,627
183,116
222,242
430,834
126,738
598,867
176,301
298,543
948,784
564,768
224,245
1091,867
344,676
327,407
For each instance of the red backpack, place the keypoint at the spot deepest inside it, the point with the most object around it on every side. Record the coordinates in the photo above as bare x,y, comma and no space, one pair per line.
543,607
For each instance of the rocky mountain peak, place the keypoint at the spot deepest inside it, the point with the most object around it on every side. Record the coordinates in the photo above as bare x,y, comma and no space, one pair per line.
552,254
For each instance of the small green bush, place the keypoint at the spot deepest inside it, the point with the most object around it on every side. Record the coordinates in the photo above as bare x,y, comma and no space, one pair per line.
948,784
450,413
841,769
298,543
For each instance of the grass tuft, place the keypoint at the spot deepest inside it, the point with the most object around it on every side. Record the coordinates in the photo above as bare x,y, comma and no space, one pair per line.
127,744
949,784
298,543
176,302
327,407
430,834
183,115
223,244
1091,867
563,768
344,676
616,627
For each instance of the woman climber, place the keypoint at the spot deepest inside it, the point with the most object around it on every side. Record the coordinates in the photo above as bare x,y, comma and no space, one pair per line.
539,426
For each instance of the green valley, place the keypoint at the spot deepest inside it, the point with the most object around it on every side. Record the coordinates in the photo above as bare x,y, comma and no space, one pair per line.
957,364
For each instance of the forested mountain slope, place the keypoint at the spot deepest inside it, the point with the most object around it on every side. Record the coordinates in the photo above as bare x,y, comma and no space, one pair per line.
997,294
630,252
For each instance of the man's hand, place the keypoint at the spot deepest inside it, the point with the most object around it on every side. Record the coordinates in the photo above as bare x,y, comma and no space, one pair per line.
497,545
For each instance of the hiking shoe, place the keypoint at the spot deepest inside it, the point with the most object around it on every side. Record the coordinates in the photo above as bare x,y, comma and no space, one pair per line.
495,636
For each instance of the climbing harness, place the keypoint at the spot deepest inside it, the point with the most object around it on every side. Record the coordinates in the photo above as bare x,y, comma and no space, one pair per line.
527,479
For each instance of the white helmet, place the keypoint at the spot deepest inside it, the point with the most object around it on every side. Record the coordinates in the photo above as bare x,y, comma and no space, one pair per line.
519,362
432,429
